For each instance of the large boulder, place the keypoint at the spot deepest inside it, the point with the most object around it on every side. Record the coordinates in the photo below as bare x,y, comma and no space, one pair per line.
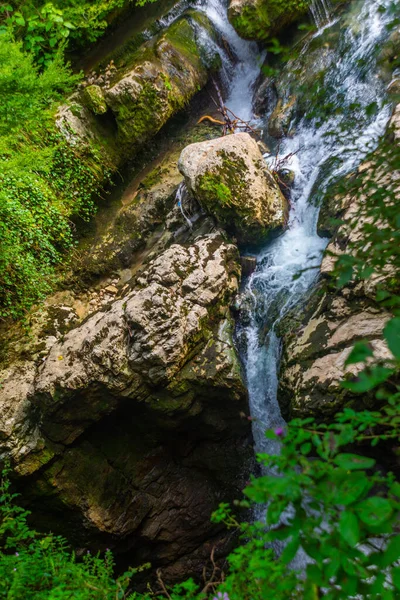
113,117
232,182
316,350
261,19
130,425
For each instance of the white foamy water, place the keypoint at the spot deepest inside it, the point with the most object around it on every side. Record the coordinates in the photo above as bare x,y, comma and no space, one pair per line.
321,11
331,149
240,69
323,152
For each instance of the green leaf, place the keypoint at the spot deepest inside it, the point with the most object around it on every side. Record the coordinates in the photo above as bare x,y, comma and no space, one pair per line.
349,528
395,489
392,336
392,552
333,566
311,591
352,462
290,550
359,353
375,511
367,380
352,488
396,577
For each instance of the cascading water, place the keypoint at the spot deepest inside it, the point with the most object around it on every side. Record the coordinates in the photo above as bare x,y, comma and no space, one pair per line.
330,148
326,151
241,71
321,11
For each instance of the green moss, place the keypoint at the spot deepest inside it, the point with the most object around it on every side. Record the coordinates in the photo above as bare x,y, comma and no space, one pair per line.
263,18
136,120
215,189
181,36
224,188
93,98
153,178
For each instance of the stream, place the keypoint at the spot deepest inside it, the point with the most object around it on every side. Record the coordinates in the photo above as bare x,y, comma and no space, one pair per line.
325,150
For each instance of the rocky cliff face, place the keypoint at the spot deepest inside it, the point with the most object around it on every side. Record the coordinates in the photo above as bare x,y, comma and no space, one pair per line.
128,432
318,341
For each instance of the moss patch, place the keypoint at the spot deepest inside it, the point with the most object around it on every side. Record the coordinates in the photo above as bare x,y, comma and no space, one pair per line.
263,18
93,98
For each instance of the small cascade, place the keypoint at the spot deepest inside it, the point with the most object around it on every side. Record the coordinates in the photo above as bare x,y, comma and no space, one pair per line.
321,11
240,67
173,14
181,194
322,151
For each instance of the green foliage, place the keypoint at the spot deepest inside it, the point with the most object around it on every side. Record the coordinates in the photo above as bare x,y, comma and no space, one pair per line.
341,511
322,496
43,180
47,27
43,567
43,29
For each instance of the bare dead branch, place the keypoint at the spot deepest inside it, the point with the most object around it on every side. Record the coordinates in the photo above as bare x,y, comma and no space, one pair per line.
230,122
213,580
162,584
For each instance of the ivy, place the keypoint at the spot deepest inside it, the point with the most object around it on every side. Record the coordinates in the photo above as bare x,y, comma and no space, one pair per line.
44,181
45,28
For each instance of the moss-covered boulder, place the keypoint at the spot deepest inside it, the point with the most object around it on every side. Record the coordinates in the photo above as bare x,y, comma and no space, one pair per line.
130,425
230,179
259,19
158,80
93,98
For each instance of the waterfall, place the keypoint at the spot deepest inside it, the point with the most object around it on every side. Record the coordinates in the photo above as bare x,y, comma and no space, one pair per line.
241,67
272,289
321,11
334,146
